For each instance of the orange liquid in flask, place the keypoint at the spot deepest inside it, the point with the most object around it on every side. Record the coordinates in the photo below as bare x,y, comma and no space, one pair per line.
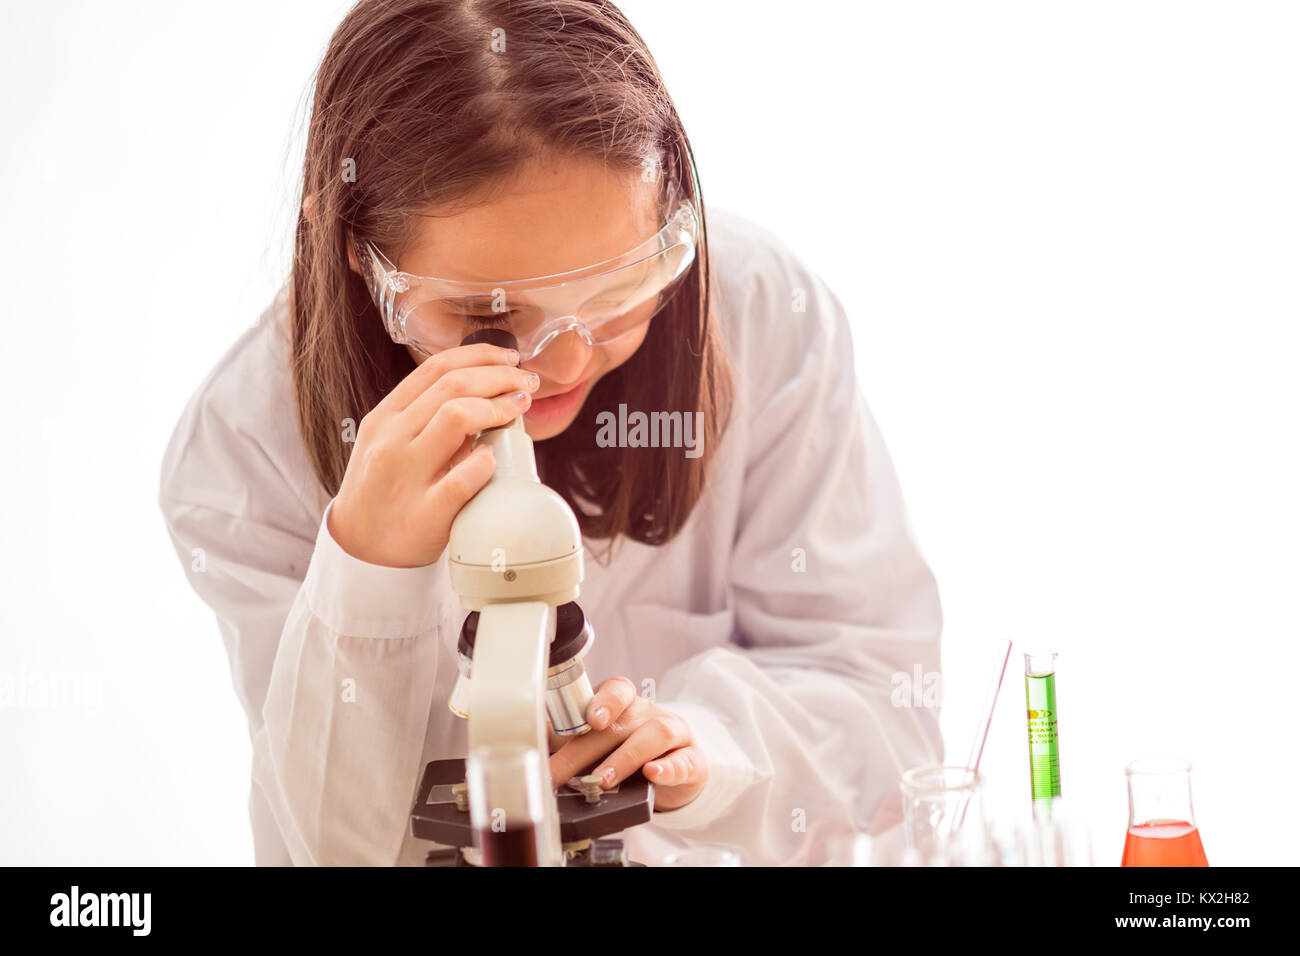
1164,843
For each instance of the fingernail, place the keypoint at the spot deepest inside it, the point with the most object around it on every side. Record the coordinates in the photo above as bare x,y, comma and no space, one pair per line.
523,398
606,776
655,769
534,381
514,356
600,714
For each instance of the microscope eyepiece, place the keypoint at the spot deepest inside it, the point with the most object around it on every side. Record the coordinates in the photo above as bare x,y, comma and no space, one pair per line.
499,337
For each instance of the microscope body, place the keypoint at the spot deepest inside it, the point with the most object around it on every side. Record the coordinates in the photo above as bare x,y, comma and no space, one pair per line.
515,560
514,556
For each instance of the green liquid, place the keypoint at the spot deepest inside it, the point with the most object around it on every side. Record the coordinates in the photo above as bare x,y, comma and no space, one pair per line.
1044,754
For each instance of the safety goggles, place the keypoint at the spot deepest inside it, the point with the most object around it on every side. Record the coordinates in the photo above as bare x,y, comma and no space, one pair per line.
599,303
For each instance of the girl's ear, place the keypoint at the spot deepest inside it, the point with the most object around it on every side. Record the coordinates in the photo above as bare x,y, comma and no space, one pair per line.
309,211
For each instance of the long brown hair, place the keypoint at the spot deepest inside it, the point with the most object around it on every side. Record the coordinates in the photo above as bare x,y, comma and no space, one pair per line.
413,98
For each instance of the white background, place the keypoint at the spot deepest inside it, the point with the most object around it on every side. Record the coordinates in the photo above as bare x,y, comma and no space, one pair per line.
1067,235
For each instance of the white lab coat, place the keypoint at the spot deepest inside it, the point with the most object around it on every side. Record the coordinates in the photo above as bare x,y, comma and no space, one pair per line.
776,622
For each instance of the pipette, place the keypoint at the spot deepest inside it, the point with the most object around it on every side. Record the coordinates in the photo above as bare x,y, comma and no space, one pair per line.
990,702
982,733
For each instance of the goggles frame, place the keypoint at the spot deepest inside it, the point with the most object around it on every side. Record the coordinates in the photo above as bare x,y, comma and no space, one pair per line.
388,284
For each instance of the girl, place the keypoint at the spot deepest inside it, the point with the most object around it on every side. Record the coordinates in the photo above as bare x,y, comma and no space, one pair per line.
754,590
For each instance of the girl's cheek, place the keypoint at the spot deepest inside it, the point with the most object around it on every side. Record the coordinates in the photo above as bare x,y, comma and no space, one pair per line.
624,350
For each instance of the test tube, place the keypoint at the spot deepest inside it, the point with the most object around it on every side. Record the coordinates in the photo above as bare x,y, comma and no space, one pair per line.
1044,752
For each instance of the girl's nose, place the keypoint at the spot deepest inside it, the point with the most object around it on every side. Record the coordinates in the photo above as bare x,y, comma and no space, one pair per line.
563,360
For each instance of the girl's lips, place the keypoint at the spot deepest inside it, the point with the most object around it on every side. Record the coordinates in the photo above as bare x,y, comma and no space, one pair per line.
558,406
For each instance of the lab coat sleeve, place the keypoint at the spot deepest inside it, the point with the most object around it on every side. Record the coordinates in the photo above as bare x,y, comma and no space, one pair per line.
801,717
347,709
337,671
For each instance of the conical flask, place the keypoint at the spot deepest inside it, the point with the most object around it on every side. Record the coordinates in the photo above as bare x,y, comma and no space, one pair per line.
1161,826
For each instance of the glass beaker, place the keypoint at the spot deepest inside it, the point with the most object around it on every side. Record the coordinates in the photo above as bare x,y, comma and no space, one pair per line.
943,816
505,804
704,854
1161,826
1054,837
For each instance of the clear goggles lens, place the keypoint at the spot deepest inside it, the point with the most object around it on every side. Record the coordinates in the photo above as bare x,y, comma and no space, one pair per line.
599,303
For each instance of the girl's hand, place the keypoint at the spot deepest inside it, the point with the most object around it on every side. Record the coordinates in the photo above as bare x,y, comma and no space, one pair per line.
631,734
411,470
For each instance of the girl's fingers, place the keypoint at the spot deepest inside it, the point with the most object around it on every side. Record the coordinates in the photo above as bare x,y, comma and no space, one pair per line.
655,737
436,366
461,453
612,697
684,765
460,418
554,740
462,482
480,381
579,753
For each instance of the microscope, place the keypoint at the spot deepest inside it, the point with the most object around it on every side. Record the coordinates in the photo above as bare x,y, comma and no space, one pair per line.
515,560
